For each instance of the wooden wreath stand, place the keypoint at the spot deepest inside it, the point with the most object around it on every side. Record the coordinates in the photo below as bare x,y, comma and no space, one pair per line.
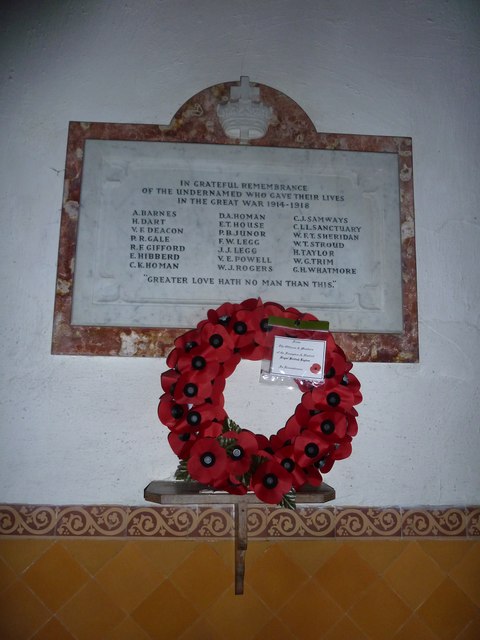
179,492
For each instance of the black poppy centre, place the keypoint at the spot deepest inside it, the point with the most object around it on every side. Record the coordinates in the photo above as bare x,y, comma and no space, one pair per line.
240,328
199,362
270,481
176,411
237,453
194,418
207,459
288,464
327,427
312,450
333,399
216,341
190,390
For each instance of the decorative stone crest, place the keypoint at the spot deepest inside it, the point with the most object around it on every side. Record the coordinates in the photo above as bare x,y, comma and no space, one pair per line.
244,116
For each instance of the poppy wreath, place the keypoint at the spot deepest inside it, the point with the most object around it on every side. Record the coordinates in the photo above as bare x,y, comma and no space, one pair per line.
213,449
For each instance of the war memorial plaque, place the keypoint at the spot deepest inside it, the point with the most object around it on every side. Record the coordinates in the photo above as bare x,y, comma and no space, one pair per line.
160,226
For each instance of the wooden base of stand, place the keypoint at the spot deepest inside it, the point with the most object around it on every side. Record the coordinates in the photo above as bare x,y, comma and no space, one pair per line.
179,492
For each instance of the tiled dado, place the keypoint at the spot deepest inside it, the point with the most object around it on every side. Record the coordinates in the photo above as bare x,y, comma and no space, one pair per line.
202,522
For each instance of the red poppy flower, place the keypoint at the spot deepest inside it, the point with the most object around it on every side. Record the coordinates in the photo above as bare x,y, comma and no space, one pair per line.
352,426
339,397
351,381
257,322
168,380
197,418
229,365
192,388
181,443
271,482
241,329
231,484
213,430
293,427
309,447
331,425
216,393
197,361
312,476
169,411
208,461
337,451
302,413
223,314
343,449
173,357
262,441
286,458
241,450
187,340
336,364
282,438
217,342
254,352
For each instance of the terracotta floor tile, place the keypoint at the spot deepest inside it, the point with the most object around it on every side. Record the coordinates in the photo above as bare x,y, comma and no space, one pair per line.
53,630
274,630
55,576
345,576
446,553
274,577
22,613
448,610
93,554
467,574
415,629
414,576
238,617
310,555
379,612
379,554
7,575
310,612
203,576
165,613
165,555
344,629
21,553
128,629
201,629
90,614
128,578
226,551
471,631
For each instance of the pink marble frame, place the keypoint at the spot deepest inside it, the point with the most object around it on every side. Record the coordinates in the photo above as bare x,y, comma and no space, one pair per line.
196,122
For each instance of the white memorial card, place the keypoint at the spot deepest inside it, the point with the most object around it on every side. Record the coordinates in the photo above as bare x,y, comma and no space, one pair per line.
298,358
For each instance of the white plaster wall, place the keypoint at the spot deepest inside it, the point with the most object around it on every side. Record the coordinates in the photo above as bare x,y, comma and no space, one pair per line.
84,430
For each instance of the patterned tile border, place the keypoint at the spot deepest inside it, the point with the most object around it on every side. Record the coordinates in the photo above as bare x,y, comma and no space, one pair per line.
204,522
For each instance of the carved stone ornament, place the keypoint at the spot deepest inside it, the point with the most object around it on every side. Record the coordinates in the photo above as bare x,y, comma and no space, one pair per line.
244,116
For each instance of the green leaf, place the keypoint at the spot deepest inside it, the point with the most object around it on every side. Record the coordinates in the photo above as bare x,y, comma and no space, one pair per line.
227,443
230,425
288,500
182,472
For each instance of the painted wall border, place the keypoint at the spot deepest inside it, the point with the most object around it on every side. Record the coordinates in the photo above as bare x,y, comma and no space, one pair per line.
264,523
